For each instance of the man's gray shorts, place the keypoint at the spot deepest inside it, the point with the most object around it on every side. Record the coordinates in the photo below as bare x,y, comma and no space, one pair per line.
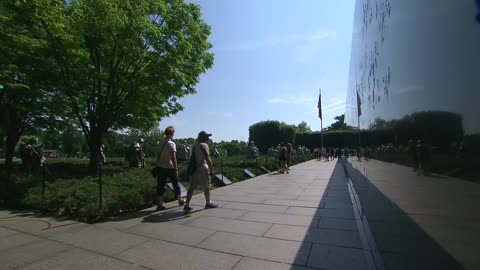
200,178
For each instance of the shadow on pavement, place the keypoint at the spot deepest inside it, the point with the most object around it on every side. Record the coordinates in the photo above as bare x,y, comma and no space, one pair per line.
402,243
169,215
338,241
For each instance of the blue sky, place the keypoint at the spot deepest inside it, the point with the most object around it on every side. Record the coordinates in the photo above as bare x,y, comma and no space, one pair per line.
271,57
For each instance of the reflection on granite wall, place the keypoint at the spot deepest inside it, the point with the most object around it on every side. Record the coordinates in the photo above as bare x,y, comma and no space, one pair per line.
410,56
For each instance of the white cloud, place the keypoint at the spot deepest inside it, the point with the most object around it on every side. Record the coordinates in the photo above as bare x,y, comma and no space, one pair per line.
295,100
302,100
333,105
277,100
228,115
171,121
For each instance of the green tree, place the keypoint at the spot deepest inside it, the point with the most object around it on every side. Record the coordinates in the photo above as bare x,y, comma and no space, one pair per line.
339,123
303,127
266,134
122,63
73,142
25,74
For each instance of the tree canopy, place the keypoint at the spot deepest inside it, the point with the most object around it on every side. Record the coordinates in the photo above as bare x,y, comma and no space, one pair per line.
117,64
266,134
339,123
303,127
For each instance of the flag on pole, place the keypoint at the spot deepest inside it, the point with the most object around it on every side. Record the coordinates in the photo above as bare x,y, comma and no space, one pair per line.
319,106
359,105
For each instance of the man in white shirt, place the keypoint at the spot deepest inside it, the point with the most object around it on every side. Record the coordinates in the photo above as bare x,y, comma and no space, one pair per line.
168,167
203,172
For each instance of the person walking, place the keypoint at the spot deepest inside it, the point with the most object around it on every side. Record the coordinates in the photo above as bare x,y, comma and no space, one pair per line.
282,156
412,146
203,171
289,156
166,154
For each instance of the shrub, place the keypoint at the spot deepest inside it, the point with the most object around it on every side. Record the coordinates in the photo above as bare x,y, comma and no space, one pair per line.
124,189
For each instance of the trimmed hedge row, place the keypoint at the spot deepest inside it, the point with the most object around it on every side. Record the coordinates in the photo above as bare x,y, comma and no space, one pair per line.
437,128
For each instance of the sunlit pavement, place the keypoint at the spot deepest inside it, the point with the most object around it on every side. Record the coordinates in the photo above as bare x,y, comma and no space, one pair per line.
303,220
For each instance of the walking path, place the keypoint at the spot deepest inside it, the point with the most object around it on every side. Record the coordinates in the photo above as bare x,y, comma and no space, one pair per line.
303,220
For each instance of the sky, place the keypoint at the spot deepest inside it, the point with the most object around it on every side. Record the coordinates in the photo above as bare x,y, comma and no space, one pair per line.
271,58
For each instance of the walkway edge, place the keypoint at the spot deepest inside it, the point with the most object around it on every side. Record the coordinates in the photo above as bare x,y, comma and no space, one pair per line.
372,256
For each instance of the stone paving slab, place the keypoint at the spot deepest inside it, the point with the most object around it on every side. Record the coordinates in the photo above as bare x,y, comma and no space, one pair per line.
286,219
230,225
15,240
99,239
30,223
259,247
336,213
157,254
257,207
23,253
256,264
180,234
4,232
77,259
315,235
338,223
338,258
299,203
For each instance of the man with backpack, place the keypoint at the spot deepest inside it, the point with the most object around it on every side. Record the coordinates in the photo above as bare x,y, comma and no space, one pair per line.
200,170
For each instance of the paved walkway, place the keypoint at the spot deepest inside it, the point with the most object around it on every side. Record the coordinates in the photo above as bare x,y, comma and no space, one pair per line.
304,220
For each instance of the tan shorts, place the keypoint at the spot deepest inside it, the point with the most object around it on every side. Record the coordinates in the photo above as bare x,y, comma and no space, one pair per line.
201,178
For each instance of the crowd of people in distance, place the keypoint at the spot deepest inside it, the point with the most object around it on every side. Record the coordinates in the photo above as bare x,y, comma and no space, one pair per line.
199,158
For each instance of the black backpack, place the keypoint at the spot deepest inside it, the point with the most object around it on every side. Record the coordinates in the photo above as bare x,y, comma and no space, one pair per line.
192,162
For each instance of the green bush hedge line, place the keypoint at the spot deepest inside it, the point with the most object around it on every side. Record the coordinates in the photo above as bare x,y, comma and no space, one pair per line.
437,128
124,189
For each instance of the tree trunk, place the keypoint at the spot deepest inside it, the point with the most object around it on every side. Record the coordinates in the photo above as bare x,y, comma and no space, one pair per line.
94,143
13,136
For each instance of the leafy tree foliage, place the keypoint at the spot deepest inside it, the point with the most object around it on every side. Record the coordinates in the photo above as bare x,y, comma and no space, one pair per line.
119,64
233,147
303,127
25,76
266,134
339,123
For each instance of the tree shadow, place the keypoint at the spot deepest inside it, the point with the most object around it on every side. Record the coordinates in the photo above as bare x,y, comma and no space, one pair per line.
169,215
275,173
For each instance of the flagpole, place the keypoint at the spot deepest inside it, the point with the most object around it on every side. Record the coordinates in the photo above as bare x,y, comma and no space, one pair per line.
359,133
321,117
359,104
321,131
